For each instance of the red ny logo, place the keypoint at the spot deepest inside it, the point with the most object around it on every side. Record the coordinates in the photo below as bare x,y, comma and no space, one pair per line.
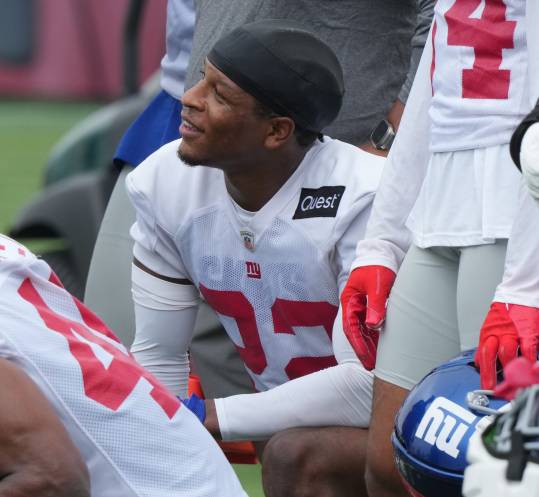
253,270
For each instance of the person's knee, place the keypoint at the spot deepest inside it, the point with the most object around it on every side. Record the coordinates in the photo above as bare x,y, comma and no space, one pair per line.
291,466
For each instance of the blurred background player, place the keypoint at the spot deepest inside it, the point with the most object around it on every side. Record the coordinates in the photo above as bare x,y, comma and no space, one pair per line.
75,405
257,211
157,125
374,91
446,206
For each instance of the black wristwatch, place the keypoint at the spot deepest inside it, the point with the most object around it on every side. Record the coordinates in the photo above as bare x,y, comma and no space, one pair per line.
382,135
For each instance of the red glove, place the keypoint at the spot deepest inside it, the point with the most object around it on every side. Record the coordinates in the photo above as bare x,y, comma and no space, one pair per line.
363,302
506,328
518,374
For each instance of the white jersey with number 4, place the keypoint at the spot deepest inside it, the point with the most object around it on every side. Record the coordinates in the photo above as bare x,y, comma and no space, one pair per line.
134,436
478,71
273,276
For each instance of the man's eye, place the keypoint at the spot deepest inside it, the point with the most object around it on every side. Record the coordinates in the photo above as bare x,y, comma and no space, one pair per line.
218,95
203,73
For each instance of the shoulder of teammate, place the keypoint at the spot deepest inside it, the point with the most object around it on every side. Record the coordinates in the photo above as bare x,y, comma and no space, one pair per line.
13,257
164,188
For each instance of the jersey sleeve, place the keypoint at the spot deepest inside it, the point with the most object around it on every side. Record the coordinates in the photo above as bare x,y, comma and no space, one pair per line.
336,396
154,240
520,282
387,239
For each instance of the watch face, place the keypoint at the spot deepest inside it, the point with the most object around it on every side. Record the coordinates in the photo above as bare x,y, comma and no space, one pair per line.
379,132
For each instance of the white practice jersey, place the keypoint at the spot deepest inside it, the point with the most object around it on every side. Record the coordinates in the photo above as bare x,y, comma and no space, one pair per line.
478,72
273,276
134,436
413,176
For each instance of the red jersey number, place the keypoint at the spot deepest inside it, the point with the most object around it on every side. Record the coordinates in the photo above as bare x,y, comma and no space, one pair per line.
488,36
112,385
285,314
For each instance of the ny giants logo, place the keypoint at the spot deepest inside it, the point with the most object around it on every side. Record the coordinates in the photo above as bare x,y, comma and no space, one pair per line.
253,270
444,425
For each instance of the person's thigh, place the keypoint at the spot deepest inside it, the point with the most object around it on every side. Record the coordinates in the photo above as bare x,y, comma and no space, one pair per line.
420,332
108,287
421,328
315,462
480,271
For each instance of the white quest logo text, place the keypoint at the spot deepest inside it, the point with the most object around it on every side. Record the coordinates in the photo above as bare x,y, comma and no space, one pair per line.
444,425
321,202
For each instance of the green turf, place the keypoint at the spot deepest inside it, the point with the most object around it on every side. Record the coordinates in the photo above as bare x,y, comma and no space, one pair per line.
28,130
249,475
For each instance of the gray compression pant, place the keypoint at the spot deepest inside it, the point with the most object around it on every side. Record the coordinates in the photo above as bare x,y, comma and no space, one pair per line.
436,308
108,293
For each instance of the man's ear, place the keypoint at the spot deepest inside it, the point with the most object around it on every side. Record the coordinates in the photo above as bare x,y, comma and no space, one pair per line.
280,129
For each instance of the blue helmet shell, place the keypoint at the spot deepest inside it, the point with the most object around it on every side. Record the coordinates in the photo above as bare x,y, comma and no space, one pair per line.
434,425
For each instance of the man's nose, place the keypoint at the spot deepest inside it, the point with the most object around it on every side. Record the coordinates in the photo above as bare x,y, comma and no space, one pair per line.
194,97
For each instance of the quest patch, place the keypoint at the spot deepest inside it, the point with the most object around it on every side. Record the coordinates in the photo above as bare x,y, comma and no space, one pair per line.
319,202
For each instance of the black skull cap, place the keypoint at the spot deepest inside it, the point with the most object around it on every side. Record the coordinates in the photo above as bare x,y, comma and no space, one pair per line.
284,67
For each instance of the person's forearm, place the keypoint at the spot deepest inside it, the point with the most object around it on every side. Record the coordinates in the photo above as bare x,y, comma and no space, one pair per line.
520,283
337,396
165,315
387,239
37,456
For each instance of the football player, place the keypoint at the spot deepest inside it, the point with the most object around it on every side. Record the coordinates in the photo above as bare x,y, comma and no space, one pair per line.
444,210
258,213
79,416
512,323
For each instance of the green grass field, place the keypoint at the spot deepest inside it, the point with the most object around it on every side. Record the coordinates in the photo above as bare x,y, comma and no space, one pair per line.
28,130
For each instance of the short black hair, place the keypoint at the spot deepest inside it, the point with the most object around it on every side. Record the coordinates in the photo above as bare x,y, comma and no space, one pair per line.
304,138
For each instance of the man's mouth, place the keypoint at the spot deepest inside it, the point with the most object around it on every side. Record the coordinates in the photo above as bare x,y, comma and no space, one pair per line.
189,125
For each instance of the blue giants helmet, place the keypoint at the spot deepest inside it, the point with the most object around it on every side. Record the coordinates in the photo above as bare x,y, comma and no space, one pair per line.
434,425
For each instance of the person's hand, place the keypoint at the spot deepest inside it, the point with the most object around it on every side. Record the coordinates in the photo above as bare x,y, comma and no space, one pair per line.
363,302
518,375
196,405
506,328
529,159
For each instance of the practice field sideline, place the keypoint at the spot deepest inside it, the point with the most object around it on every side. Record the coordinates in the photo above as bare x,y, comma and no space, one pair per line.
28,130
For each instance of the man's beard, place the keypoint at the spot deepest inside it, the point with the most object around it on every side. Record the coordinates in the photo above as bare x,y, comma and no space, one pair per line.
187,159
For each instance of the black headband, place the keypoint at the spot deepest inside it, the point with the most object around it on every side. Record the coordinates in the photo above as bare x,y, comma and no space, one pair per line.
284,67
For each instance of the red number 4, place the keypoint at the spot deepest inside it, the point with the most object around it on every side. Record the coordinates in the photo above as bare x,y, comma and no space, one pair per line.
488,36
110,386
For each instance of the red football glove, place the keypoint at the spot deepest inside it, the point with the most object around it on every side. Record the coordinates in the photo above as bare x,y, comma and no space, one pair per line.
363,302
506,328
518,374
